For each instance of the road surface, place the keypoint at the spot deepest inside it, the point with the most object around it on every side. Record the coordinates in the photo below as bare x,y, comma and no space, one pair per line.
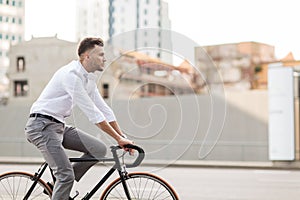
205,183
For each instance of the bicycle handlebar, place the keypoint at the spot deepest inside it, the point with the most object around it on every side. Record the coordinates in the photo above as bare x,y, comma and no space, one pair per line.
140,157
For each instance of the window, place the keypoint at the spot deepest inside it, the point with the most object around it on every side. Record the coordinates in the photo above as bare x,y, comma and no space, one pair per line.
20,64
148,70
105,87
1,36
1,18
7,2
21,88
151,88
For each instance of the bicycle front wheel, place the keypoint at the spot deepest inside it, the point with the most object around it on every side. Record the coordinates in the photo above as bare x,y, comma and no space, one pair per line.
15,185
141,186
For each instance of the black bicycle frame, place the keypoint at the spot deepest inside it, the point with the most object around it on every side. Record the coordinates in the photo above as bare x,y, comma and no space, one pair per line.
36,177
117,166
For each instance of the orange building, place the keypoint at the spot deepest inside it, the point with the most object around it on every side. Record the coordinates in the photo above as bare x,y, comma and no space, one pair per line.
262,73
237,63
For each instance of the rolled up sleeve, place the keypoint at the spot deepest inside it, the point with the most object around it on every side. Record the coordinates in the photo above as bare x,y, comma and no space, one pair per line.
103,107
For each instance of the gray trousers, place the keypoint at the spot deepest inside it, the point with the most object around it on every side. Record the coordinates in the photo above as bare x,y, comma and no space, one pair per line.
52,139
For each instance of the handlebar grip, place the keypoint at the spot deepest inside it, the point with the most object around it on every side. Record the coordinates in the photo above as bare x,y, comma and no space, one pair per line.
140,157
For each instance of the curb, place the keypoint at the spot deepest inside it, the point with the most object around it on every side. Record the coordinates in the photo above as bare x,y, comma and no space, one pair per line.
276,165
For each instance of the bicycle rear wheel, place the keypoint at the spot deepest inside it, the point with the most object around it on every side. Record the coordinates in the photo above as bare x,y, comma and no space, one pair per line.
14,185
142,186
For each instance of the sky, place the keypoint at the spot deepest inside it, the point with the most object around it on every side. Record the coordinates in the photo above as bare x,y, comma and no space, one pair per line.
207,22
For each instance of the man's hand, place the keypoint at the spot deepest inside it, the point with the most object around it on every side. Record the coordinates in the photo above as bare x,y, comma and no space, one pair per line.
112,128
123,141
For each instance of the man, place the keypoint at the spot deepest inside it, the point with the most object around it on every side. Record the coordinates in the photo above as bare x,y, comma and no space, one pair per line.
73,84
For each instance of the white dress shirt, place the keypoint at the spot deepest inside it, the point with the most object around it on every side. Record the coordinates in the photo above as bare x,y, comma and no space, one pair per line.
72,85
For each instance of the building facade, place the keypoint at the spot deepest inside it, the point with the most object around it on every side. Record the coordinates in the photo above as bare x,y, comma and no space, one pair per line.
12,27
32,64
134,17
91,19
237,63
135,75
287,61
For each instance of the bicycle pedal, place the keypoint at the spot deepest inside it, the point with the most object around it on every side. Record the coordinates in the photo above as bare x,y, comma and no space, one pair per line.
76,195
50,186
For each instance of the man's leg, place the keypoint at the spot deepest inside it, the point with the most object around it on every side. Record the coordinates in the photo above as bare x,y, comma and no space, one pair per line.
75,139
48,137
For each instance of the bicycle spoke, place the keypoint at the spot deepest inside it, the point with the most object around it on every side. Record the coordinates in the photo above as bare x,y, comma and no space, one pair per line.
151,190
117,190
145,187
157,190
15,185
10,189
141,186
26,186
131,189
4,187
19,185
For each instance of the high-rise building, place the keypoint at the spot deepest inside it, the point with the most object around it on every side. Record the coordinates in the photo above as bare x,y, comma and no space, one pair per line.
91,19
131,17
12,27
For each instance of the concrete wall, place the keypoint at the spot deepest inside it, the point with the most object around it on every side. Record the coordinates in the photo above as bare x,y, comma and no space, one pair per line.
169,128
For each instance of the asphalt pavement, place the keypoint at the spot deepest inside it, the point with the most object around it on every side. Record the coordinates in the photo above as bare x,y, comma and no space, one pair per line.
203,183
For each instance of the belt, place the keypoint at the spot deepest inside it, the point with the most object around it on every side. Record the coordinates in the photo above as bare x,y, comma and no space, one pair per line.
45,116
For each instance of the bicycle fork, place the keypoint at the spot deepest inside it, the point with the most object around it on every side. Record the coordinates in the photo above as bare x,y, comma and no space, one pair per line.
123,175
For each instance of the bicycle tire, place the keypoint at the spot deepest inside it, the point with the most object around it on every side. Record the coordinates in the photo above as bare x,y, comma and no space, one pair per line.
142,186
14,185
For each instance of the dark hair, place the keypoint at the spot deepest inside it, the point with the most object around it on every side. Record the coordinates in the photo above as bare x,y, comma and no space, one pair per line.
89,43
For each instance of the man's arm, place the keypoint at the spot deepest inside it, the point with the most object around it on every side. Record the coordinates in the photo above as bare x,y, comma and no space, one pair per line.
117,128
109,129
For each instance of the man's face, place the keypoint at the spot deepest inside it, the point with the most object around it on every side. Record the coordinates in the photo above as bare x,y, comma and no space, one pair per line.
96,59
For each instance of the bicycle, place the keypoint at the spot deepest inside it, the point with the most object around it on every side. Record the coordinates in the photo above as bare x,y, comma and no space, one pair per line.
130,186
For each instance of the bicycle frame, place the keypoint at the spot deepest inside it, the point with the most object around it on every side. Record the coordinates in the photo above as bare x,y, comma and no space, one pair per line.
116,166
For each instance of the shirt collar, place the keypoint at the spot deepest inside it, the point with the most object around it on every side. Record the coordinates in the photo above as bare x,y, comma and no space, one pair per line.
88,75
